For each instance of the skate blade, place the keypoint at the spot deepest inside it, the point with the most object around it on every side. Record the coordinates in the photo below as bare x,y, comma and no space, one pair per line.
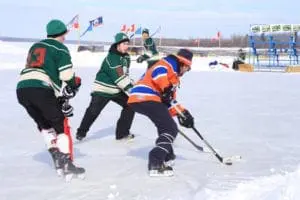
69,177
60,172
170,163
155,173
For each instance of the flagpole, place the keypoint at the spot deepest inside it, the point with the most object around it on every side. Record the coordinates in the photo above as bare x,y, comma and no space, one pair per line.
78,37
78,34
160,40
219,37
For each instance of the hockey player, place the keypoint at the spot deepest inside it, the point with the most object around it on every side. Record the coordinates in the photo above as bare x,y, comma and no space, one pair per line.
154,96
48,65
112,83
151,54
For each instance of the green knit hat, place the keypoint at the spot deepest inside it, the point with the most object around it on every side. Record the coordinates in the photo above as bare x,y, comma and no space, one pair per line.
121,37
56,28
145,30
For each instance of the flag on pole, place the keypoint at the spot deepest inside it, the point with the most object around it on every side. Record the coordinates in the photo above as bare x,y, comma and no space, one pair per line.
93,23
217,37
131,29
124,28
138,31
74,23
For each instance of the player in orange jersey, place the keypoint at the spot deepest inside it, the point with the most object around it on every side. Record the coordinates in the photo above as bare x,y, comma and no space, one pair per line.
154,95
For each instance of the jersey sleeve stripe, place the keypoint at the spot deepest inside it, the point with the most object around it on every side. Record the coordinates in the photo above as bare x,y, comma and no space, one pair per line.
65,67
159,71
143,90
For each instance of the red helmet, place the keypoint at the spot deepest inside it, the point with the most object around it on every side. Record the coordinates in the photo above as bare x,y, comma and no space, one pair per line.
185,56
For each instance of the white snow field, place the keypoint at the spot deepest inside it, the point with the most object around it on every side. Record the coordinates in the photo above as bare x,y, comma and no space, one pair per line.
255,115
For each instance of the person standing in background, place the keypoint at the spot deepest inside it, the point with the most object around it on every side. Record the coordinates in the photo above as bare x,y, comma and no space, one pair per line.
151,54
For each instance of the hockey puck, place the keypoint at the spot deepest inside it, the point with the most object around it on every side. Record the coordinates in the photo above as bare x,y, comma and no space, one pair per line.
228,163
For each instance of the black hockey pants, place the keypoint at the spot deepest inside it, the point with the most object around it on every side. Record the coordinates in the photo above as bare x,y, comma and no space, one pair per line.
167,129
43,107
98,103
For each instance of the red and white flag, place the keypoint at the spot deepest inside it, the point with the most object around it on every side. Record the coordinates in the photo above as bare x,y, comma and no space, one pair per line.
217,37
124,28
74,23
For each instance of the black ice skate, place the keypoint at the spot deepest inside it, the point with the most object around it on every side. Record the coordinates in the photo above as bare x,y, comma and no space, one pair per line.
64,165
160,170
71,171
80,135
56,154
170,159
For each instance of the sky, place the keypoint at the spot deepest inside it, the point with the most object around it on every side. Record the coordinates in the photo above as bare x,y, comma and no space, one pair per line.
178,19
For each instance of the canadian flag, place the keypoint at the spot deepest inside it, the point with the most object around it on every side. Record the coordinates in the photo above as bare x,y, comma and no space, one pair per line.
74,23
131,28
124,28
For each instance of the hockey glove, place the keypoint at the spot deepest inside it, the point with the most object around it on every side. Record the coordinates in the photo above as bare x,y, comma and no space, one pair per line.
66,108
185,119
142,58
70,90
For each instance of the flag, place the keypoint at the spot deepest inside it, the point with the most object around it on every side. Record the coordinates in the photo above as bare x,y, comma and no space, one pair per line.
138,31
93,23
123,28
97,22
131,29
217,37
74,23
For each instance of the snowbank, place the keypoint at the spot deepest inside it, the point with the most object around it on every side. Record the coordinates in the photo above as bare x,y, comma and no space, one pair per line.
13,55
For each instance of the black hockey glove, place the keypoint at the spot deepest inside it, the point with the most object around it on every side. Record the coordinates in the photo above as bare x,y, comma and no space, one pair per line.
168,95
70,90
142,58
186,119
66,108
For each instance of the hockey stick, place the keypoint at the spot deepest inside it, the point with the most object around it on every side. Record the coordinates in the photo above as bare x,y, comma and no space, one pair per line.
190,141
67,131
224,160
157,31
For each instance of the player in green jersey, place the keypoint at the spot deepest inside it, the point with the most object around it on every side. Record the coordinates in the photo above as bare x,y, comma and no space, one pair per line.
112,83
48,65
151,54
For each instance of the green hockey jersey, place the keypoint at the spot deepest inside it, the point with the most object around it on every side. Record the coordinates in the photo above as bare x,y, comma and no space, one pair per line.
113,77
150,47
150,52
48,64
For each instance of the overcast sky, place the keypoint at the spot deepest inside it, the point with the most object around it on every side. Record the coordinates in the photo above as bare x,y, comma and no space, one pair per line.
178,19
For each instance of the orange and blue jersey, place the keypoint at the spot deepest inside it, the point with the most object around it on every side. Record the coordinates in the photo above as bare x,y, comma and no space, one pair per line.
160,76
